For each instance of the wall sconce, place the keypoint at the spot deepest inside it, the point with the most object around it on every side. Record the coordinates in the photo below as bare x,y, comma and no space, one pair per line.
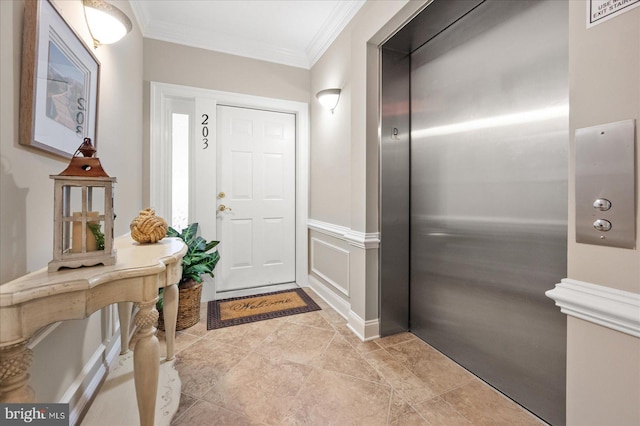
329,98
107,24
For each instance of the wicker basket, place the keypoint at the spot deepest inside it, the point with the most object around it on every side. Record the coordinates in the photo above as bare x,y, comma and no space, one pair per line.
188,308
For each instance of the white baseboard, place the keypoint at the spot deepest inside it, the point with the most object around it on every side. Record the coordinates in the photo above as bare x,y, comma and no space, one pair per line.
365,330
41,334
338,304
86,385
615,309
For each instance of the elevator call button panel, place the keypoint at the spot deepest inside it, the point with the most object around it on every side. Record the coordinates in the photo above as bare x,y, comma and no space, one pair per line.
605,185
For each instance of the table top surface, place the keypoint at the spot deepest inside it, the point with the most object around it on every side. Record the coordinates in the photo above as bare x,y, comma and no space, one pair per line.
133,260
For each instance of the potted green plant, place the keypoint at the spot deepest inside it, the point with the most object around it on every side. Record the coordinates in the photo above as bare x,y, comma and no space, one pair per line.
198,260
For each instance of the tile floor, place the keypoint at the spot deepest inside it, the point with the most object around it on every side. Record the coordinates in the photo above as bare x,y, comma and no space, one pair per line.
310,369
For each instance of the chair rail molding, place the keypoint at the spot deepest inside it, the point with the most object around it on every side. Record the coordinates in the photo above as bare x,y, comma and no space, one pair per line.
609,307
363,240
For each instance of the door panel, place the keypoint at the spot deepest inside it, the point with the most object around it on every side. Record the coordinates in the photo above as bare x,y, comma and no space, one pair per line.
257,176
241,175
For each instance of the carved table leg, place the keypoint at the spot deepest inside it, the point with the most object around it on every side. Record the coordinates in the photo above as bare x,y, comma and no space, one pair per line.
170,313
14,362
146,362
124,315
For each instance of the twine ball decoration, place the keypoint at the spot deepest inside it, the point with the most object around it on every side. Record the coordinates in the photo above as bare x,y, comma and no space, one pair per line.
148,228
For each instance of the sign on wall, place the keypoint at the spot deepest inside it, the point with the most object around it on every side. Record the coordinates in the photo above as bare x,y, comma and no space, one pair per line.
599,11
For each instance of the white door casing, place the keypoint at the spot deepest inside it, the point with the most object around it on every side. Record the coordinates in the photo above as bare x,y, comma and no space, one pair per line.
206,101
256,186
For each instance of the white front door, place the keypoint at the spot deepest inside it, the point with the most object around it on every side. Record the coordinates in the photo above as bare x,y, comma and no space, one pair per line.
255,197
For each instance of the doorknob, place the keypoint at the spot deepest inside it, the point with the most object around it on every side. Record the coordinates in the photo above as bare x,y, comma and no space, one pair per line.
221,195
223,208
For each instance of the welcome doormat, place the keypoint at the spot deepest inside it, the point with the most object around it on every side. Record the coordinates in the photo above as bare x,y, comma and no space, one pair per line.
246,309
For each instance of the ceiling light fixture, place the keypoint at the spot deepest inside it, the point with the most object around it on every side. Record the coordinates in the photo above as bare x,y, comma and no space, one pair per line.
329,98
107,24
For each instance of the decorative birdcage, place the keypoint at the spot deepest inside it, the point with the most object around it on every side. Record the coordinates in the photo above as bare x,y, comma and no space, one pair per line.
83,213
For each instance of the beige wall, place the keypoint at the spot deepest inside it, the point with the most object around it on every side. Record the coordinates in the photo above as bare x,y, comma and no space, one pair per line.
194,67
27,192
330,175
189,66
604,78
344,146
603,376
603,366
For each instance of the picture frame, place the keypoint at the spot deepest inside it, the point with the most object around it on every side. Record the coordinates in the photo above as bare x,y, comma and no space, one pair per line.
59,83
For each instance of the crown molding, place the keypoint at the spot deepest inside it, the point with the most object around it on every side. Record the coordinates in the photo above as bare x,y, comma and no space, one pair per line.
140,15
333,26
609,307
210,39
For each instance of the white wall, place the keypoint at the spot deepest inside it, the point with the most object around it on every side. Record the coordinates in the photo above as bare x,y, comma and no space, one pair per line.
26,199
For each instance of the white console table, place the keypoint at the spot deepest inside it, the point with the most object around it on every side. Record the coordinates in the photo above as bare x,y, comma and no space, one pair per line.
41,298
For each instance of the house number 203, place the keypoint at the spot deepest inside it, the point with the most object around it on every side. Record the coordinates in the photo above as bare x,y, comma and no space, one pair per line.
205,131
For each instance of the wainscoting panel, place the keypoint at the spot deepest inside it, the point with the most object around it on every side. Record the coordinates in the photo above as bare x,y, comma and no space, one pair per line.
331,263
338,273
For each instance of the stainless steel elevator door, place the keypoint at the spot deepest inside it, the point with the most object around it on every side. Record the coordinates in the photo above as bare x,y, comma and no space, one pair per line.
489,140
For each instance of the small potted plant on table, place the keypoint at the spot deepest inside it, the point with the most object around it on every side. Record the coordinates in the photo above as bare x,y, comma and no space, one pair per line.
198,260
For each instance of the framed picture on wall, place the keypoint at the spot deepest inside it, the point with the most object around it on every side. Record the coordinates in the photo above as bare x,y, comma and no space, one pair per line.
60,80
